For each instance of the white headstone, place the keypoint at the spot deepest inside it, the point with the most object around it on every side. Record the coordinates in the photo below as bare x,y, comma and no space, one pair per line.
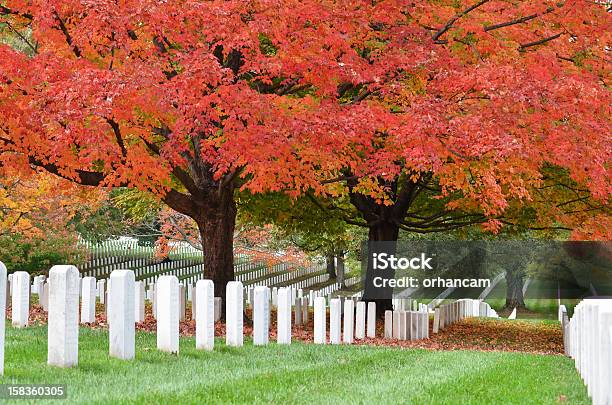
513,314
298,312
305,314
349,321
335,321
139,301
396,324
360,320
320,321
436,322
44,299
167,295
102,290
234,333
20,303
63,322
388,324
404,321
88,300
121,329
283,335
261,315
371,333
415,327
182,303
3,297
205,313
218,303
194,303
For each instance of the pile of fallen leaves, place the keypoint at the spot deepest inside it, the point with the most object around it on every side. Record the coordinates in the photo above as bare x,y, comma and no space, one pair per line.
470,334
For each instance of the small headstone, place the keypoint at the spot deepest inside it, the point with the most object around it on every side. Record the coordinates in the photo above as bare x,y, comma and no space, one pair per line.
298,312
101,290
261,315
304,310
388,324
349,321
234,334
88,300
20,303
513,314
414,325
218,303
205,312
283,334
334,321
320,315
371,332
360,320
436,323
181,302
139,301
44,299
194,303
396,324
121,329
107,300
167,314
404,325
63,320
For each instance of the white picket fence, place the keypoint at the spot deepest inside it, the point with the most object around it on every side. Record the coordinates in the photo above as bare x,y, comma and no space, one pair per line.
588,340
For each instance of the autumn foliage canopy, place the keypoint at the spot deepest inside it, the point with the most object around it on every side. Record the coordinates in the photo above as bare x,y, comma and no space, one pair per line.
188,98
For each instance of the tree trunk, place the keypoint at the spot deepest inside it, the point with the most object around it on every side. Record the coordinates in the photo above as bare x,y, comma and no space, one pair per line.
330,265
380,232
514,293
216,225
340,268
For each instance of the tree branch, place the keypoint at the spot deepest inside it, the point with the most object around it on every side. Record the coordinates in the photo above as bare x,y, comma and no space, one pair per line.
449,24
540,42
518,20
69,40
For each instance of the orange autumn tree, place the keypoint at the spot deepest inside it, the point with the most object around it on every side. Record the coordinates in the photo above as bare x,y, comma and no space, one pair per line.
32,206
37,212
380,101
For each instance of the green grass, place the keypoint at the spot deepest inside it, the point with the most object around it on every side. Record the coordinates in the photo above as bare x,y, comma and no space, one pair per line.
299,373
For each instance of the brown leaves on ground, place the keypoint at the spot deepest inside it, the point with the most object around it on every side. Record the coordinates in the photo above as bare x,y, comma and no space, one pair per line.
469,334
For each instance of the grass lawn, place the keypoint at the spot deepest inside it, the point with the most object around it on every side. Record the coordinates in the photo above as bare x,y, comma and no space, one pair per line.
299,373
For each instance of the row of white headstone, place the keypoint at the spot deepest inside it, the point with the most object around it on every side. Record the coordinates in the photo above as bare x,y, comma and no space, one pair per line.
588,340
447,314
407,325
63,318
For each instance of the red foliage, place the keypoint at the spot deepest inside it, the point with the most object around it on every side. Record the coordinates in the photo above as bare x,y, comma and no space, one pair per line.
286,93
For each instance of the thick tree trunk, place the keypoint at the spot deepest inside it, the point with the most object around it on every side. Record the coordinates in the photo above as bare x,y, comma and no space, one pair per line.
330,265
216,225
340,268
514,292
380,232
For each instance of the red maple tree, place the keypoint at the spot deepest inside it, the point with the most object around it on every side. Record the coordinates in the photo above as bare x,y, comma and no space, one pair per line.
379,100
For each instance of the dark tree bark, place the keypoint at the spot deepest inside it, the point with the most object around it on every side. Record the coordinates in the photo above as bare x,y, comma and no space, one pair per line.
216,225
515,280
330,265
387,232
340,268
383,222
